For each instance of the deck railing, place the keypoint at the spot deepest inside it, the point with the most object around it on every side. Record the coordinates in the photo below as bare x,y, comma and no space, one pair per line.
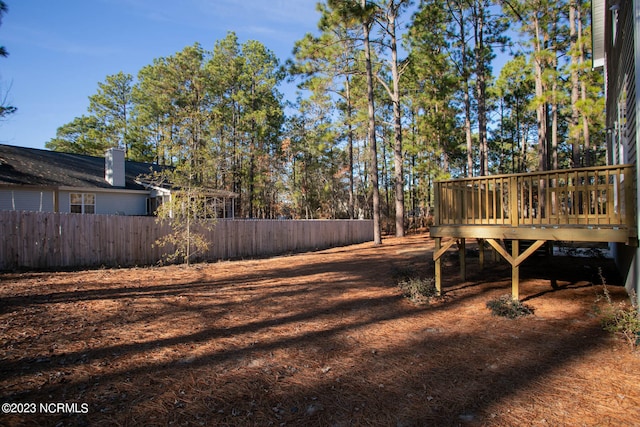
586,196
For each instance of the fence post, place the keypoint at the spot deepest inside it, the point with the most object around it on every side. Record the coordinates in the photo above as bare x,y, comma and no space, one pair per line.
437,204
438,266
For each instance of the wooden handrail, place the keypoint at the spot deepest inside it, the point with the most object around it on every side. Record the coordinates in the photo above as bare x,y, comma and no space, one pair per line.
603,195
508,175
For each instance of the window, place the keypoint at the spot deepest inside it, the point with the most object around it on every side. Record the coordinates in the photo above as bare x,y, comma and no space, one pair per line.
82,203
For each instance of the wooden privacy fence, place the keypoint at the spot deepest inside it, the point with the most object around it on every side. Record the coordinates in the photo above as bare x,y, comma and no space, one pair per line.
43,240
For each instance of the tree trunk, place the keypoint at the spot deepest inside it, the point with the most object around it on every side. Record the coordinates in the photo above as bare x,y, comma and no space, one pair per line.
373,151
574,130
350,138
398,161
481,84
553,105
583,89
466,96
541,109
252,171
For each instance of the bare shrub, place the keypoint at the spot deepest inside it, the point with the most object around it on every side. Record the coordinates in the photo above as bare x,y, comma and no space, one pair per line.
506,306
418,290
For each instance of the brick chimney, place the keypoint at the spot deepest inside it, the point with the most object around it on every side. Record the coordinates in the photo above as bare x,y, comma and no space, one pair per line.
114,167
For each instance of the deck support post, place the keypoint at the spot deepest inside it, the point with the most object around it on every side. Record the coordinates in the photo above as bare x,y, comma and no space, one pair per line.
481,253
462,250
440,250
438,266
515,259
515,270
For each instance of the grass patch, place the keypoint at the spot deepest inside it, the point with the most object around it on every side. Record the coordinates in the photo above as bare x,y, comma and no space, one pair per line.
505,306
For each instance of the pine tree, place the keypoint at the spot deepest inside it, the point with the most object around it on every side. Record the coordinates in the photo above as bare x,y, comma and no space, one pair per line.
83,135
261,124
112,105
390,13
333,58
515,89
432,84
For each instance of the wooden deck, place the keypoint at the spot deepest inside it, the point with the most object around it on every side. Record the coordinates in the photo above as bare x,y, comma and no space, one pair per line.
578,205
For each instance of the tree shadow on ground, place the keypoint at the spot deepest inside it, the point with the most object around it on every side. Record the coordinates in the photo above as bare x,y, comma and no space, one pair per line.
324,343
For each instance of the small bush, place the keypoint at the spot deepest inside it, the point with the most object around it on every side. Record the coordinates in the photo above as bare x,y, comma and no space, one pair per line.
505,306
622,318
420,291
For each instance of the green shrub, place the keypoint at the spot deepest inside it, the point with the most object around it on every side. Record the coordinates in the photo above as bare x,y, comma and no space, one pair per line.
506,306
420,291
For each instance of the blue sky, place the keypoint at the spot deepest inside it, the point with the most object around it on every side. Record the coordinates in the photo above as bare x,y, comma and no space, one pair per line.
59,51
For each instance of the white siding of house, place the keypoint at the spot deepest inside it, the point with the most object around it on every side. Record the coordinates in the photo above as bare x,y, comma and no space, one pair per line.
623,102
26,200
597,30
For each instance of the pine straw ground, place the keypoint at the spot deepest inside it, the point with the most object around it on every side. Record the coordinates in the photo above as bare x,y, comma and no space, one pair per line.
322,339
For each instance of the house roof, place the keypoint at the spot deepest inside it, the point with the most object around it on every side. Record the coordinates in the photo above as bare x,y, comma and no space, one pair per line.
44,168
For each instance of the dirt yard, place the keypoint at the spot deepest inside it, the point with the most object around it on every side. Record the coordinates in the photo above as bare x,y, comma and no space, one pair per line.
317,339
